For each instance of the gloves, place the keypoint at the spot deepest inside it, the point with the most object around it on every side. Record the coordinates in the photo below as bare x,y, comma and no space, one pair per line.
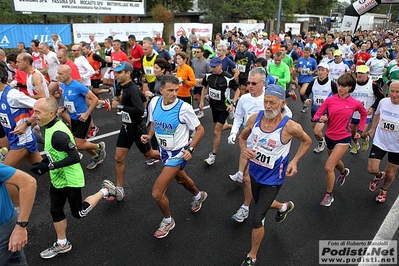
232,138
40,168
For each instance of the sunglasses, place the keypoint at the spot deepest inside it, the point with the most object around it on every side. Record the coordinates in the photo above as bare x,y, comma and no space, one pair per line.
197,52
253,83
75,50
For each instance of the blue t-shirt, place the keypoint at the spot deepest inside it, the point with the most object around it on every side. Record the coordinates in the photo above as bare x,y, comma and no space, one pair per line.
228,65
6,206
75,98
309,64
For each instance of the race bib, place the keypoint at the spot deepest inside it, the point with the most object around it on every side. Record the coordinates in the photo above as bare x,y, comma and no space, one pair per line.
149,71
166,141
364,103
390,126
116,64
241,68
126,117
70,106
5,122
305,71
318,100
215,94
375,78
264,157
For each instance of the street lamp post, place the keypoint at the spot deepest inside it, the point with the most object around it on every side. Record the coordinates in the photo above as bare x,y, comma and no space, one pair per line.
280,7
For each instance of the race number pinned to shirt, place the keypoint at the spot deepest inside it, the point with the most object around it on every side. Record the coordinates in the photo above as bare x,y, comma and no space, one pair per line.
70,106
115,64
375,78
264,157
390,126
166,141
215,94
126,117
241,68
305,71
149,71
5,122
319,99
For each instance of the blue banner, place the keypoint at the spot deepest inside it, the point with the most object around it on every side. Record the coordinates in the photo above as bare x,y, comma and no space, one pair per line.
11,34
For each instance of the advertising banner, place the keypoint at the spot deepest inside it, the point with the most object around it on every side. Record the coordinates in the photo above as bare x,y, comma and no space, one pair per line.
363,6
245,27
119,31
296,28
90,7
11,34
200,29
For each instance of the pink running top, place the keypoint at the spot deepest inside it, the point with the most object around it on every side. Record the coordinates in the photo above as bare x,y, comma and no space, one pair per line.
339,112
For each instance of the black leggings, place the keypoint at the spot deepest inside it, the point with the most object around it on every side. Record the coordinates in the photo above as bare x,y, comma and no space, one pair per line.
264,196
58,197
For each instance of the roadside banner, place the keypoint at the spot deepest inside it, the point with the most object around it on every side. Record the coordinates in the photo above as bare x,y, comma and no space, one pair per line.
120,31
200,29
245,27
12,34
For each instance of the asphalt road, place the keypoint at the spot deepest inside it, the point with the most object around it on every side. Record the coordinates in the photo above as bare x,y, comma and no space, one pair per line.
121,233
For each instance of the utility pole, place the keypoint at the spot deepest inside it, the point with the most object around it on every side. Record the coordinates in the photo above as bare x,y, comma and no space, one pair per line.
280,8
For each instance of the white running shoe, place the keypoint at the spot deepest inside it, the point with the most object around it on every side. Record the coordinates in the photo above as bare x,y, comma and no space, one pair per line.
237,177
211,159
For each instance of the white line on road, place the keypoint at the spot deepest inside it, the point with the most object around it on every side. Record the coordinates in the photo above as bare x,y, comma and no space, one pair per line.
387,228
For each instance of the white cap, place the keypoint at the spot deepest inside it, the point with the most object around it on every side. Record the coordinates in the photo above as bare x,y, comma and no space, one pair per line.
324,65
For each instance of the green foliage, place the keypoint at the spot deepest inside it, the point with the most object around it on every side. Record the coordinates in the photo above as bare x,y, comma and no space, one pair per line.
320,7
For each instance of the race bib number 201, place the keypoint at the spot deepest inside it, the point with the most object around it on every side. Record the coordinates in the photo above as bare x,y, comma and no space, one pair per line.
264,157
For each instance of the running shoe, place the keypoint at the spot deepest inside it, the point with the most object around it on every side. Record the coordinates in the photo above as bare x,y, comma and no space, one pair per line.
197,204
321,145
112,190
240,215
355,148
101,151
211,159
93,163
293,95
200,114
248,261
164,229
341,178
150,162
365,144
3,153
99,106
119,112
237,177
93,132
107,105
382,196
305,108
120,195
376,182
280,216
328,199
56,249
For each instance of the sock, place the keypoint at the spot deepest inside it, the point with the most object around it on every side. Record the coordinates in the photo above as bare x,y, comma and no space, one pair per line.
245,207
95,156
329,193
214,153
252,259
284,208
16,209
383,189
240,173
322,140
105,192
93,127
379,175
198,196
168,220
62,242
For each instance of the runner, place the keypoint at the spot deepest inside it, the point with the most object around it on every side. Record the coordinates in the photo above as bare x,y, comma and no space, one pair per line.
340,109
175,150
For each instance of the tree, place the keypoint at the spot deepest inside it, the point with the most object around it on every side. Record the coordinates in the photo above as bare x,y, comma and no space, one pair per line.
174,5
162,14
320,7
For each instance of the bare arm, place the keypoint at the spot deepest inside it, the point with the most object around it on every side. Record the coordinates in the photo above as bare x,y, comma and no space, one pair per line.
26,185
37,81
93,102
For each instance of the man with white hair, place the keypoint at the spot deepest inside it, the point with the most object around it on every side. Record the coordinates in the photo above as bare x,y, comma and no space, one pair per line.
260,50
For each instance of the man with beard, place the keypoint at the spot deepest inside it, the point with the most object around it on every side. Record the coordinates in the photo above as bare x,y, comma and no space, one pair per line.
271,133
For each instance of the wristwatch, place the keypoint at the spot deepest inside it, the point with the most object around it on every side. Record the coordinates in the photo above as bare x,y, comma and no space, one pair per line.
120,106
22,224
51,166
28,123
191,149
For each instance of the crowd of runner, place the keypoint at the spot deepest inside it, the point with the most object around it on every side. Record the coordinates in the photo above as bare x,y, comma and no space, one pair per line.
349,83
